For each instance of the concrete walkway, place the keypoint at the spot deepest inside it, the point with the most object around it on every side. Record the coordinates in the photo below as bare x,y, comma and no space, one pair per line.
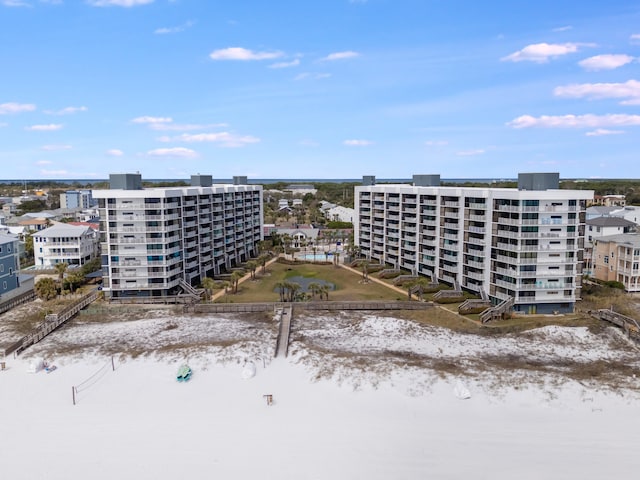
222,292
375,280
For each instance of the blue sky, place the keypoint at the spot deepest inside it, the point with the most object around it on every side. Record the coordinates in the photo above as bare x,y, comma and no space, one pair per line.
319,89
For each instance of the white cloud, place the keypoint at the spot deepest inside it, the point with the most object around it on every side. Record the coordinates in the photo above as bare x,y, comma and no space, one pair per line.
311,76
152,120
357,143
183,127
55,173
605,62
292,63
43,162
340,56
308,143
436,143
53,148
3,124
634,38
178,29
66,111
470,153
51,127
239,53
629,91
599,132
224,139
562,29
118,3
12,107
173,152
114,152
542,52
14,3
575,121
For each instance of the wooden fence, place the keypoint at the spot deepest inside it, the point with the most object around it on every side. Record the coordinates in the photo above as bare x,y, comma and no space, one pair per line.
304,306
628,324
17,300
51,322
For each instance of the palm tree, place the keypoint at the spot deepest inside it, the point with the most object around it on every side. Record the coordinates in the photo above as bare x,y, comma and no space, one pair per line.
252,265
235,278
60,268
208,284
324,290
281,286
293,290
314,288
364,264
45,288
262,260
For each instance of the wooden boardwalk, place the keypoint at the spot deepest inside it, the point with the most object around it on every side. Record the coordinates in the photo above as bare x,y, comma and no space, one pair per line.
282,343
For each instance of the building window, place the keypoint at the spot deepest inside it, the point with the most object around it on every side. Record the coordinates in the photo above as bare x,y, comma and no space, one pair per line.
606,259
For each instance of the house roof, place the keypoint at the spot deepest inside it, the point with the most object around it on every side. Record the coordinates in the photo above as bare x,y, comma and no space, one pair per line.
93,225
629,239
34,221
610,222
63,230
7,239
43,214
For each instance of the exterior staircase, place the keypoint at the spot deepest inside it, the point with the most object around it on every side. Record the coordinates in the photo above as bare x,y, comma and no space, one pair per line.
497,312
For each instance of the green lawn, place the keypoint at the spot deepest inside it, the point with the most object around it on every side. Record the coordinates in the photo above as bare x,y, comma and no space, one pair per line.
348,285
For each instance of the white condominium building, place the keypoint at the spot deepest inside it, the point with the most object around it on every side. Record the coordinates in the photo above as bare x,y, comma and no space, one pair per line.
525,243
158,242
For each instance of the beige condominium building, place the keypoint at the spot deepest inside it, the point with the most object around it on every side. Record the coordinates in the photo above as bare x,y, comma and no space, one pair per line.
617,258
160,242
523,243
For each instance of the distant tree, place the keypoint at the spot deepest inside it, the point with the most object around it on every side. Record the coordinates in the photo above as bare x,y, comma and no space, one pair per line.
31,206
91,266
73,280
46,288
339,225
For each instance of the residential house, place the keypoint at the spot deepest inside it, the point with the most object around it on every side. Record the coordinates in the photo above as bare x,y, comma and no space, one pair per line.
601,227
65,243
9,264
617,258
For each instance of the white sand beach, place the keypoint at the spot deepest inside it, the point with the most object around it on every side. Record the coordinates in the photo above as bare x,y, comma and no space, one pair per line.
330,418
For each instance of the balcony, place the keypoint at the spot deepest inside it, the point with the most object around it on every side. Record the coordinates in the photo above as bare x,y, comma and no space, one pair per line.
475,275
